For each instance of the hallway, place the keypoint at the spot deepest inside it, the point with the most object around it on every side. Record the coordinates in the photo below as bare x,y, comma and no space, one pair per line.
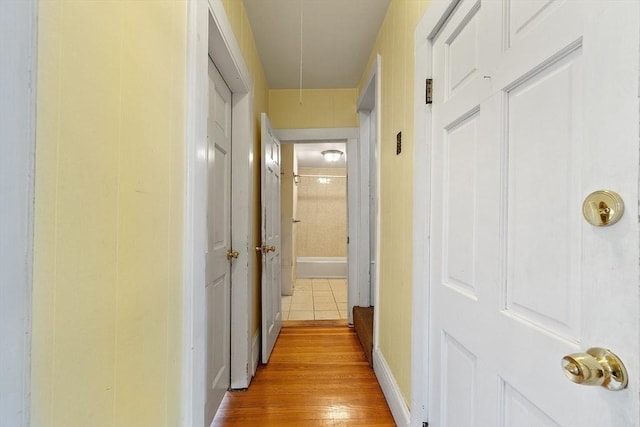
317,376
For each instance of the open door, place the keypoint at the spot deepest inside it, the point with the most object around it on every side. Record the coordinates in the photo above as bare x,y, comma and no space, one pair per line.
219,253
270,249
530,116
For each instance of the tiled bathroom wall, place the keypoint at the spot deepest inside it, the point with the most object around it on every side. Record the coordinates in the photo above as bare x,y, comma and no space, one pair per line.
322,211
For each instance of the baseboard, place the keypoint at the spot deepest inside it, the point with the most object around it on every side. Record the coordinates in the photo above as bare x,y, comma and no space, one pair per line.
399,409
255,352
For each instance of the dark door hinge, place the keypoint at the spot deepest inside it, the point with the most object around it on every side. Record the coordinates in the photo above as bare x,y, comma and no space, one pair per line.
429,91
425,424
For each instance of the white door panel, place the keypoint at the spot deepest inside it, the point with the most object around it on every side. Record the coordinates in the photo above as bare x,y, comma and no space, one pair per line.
542,279
535,106
271,267
218,267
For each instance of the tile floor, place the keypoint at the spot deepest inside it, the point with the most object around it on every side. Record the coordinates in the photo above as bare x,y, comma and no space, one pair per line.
316,299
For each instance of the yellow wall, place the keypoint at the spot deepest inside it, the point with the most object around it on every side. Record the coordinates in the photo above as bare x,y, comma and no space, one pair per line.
395,44
109,200
242,30
320,108
107,299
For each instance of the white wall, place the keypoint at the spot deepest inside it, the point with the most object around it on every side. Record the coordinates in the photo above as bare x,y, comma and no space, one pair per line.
287,216
17,145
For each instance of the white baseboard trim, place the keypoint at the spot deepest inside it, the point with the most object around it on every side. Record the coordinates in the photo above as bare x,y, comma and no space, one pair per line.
399,409
255,352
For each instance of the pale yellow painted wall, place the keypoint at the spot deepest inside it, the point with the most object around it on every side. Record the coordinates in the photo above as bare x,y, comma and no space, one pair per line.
320,108
107,292
395,44
240,24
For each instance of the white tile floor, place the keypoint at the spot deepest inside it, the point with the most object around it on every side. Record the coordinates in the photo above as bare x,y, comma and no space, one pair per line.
316,299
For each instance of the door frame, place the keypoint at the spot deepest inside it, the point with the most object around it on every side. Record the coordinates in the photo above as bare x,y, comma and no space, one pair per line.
369,102
350,135
427,29
17,173
209,33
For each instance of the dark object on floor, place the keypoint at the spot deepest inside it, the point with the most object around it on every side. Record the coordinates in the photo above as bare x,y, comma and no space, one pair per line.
363,324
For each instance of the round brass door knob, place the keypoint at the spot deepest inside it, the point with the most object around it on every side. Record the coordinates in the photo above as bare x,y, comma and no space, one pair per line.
264,249
598,366
231,254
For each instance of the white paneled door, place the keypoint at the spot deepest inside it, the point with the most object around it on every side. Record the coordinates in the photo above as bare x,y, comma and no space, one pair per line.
270,249
535,106
218,266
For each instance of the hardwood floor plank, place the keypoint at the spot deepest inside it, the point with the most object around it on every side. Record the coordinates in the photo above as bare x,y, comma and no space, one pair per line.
317,376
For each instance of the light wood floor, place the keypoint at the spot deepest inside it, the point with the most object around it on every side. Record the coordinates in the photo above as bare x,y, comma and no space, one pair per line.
317,376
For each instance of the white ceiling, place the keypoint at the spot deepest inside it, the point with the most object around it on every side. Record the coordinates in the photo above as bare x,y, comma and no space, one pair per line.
309,154
337,39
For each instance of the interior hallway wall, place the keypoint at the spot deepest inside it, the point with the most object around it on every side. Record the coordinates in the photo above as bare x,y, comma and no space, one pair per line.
395,44
322,211
320,108
107,290
242,30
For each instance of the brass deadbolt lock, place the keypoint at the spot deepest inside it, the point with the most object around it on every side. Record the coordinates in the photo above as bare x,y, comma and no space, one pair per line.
603,208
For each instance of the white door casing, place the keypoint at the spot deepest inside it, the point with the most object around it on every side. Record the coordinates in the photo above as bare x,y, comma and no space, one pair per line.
535,106
367,171
354,193
218,267
210,35
18,44
355,286
271,268
374,208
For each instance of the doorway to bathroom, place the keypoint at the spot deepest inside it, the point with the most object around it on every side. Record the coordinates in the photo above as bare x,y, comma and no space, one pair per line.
356,237
314,231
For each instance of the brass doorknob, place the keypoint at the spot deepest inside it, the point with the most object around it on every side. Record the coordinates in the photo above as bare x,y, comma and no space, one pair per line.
598,366
265,249
232,254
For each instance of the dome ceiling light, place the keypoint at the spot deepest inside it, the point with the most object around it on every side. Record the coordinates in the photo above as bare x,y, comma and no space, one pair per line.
332,155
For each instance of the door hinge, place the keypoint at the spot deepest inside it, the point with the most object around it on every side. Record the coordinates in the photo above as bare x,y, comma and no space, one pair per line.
429,91
425,424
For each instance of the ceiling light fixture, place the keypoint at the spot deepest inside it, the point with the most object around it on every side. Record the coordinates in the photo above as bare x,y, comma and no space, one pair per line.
332,155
